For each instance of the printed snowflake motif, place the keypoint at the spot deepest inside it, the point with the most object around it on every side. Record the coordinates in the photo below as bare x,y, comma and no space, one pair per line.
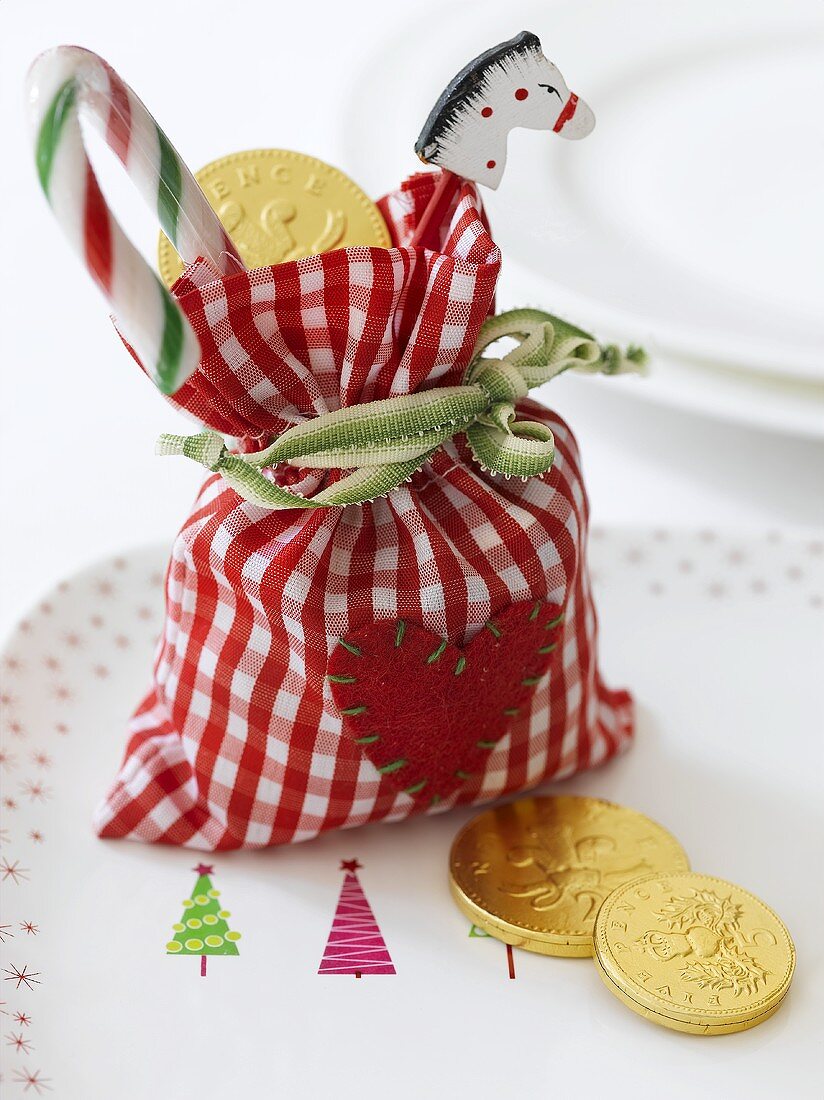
29,928
156,580
41,759
13,871
46,608
120,564
61,728
73,640
36,836
35,790
62,692
144,613
7,700
22,1018
97,621
101,672
5,934
7,759
16,729
716,590
5,836
12,664
26,977
51,663
122,642
9,803
32,1080
20,1044
105,589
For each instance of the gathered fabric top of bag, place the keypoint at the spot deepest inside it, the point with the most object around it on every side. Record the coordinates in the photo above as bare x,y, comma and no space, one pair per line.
281,344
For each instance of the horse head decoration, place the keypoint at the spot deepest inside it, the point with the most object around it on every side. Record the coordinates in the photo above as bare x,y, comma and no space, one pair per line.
510,85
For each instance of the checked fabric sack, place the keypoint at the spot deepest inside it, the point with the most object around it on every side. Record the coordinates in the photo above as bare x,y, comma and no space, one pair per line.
323,668
379,603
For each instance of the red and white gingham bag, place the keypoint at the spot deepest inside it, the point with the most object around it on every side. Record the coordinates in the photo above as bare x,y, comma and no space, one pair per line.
324,668
240,741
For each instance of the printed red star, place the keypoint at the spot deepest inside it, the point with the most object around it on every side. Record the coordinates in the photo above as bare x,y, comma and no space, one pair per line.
204,869
32,1080
36,836
35,791
22,1018
13,871
349,865
41,759
25,977
19,1043
4,932
29,928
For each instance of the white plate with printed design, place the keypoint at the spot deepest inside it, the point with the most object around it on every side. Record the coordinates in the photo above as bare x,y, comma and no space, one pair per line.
720,637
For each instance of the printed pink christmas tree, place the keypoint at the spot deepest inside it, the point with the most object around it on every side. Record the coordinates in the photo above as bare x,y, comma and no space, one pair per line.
355,944
203,930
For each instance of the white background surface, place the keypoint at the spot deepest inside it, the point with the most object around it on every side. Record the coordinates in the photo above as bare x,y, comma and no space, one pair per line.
78,477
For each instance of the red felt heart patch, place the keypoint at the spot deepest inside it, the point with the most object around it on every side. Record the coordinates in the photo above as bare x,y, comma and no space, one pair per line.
428,713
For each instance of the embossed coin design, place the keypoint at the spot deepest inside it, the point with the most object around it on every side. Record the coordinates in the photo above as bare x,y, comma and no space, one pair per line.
277,205
693,953
534,873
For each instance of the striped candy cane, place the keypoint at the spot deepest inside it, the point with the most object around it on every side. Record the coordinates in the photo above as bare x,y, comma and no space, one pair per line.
61,83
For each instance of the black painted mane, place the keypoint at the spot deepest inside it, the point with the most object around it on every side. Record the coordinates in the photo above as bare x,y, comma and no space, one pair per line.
464,87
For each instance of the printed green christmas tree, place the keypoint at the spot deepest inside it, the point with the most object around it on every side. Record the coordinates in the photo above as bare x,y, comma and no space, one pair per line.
202,930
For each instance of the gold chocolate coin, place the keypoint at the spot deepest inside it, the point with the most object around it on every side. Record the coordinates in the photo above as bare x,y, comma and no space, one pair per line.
535,872
277,205
693,953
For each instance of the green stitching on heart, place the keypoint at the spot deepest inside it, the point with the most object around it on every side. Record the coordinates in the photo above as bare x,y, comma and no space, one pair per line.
511,711
531,681
353,649
547,648
354,710
434,800
437,653
493,629
459,666
555,622
341,679
462,775
369,739
536,610
416,787
486,744
399,632
395,766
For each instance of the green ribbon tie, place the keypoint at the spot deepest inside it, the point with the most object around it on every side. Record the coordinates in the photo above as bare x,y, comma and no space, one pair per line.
384,442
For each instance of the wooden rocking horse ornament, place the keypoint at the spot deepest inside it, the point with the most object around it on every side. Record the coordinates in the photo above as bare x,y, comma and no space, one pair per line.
510,85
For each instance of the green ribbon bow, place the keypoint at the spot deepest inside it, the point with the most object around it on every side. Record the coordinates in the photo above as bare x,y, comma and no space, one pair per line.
384,442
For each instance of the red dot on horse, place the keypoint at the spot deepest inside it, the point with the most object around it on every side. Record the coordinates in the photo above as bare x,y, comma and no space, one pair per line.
486,112
521,93
490,164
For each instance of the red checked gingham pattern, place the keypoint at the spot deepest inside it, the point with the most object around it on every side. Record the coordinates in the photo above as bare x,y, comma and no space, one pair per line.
239,743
